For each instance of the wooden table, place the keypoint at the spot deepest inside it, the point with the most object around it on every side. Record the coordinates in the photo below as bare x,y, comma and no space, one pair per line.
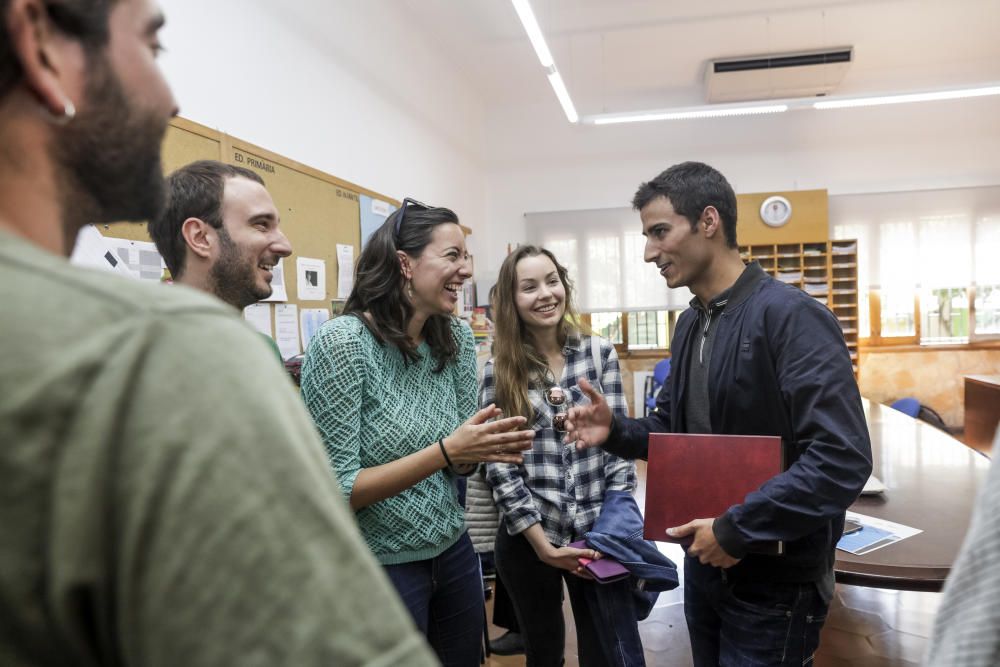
982,410
931,483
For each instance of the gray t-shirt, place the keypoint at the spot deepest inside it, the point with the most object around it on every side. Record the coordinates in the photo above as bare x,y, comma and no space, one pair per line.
697,403
164,498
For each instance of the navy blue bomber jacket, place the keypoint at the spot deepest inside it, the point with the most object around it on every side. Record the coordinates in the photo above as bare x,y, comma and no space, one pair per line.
779,366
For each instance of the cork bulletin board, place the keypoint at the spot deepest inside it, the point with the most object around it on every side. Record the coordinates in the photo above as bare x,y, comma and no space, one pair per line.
317,210
184,143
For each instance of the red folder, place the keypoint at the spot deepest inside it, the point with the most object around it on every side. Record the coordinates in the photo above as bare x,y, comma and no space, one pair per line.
701,476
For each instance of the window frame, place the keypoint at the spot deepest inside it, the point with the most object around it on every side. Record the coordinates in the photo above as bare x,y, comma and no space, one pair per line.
623,350
876,340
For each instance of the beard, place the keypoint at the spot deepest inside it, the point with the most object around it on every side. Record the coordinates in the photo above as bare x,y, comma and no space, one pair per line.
108,156
233,278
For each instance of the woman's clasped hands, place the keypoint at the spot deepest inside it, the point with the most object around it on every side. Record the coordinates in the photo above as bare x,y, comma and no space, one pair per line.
489,437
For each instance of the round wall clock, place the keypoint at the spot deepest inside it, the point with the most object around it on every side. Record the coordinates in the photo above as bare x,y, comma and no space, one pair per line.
775,211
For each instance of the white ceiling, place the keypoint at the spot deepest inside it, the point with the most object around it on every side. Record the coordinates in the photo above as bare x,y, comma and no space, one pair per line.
629,55
625,55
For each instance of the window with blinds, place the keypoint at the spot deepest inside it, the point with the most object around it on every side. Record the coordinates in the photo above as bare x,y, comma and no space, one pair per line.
928,270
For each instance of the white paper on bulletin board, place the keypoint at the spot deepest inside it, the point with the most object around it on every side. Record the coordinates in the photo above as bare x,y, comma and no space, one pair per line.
311,273
259,317
278,290
311,319
373,214
137,259
345,270
286,329
91,249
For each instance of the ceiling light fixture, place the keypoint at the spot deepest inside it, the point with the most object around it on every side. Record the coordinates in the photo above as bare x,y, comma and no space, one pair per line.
790,104
530,23
906,98
563,95
684,114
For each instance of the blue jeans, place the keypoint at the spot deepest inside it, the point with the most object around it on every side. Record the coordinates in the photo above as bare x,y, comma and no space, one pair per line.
747,623
445,597
607,630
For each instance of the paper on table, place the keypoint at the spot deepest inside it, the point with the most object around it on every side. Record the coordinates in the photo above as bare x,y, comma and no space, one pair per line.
311,273
874,534
345,270
278,290
873,486
259,317
286,329
92,250
311,320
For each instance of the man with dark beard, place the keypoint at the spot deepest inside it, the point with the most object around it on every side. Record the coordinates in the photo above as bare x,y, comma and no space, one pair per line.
164,499
219,233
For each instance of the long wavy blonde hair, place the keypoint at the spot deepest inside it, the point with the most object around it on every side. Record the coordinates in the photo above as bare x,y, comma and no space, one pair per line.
517,364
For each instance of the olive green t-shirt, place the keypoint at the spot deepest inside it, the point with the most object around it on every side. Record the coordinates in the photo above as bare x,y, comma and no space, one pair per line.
273,346
164,498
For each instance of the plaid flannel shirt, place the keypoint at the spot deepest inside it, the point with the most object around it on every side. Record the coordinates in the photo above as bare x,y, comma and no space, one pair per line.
557,485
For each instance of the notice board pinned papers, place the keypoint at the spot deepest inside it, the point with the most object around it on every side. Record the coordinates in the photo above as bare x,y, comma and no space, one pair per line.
694,476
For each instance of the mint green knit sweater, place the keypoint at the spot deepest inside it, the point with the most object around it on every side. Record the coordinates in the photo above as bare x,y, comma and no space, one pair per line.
372,408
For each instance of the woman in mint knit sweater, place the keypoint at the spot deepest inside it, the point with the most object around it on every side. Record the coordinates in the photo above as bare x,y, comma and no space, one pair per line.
392,388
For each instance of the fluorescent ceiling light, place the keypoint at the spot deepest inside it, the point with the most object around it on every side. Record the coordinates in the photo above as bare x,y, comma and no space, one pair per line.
690,112
907,97
563,95
761,107
534,32
545,57
789,104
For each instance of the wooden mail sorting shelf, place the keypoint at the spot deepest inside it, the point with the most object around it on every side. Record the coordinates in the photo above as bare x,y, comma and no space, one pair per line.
825,270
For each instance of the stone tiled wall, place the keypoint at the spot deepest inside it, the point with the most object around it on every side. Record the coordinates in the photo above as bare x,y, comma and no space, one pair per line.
934,377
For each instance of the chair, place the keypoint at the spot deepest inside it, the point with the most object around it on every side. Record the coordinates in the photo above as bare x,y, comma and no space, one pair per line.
925,413
909,406
653,383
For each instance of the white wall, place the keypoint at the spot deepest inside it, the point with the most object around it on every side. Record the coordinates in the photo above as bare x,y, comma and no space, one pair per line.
893,148
360,90
347,88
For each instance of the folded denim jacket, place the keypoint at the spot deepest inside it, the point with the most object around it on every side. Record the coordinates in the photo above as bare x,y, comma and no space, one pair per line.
618,533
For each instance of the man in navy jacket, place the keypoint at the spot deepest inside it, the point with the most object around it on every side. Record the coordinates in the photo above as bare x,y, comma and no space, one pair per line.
752,356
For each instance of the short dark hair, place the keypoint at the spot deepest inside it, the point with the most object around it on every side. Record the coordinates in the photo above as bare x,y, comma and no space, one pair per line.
379,283
193,191
691,187
84,20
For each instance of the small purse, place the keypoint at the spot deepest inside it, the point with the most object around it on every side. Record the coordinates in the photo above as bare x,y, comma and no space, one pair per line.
604,570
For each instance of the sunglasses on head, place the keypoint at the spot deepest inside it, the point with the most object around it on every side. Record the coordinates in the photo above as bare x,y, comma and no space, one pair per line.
408,202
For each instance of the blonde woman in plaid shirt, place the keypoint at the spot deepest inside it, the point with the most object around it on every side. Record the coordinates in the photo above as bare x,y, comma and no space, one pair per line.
555,496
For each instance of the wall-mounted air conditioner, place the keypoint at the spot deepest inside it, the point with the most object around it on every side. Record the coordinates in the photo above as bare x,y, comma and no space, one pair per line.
776,75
